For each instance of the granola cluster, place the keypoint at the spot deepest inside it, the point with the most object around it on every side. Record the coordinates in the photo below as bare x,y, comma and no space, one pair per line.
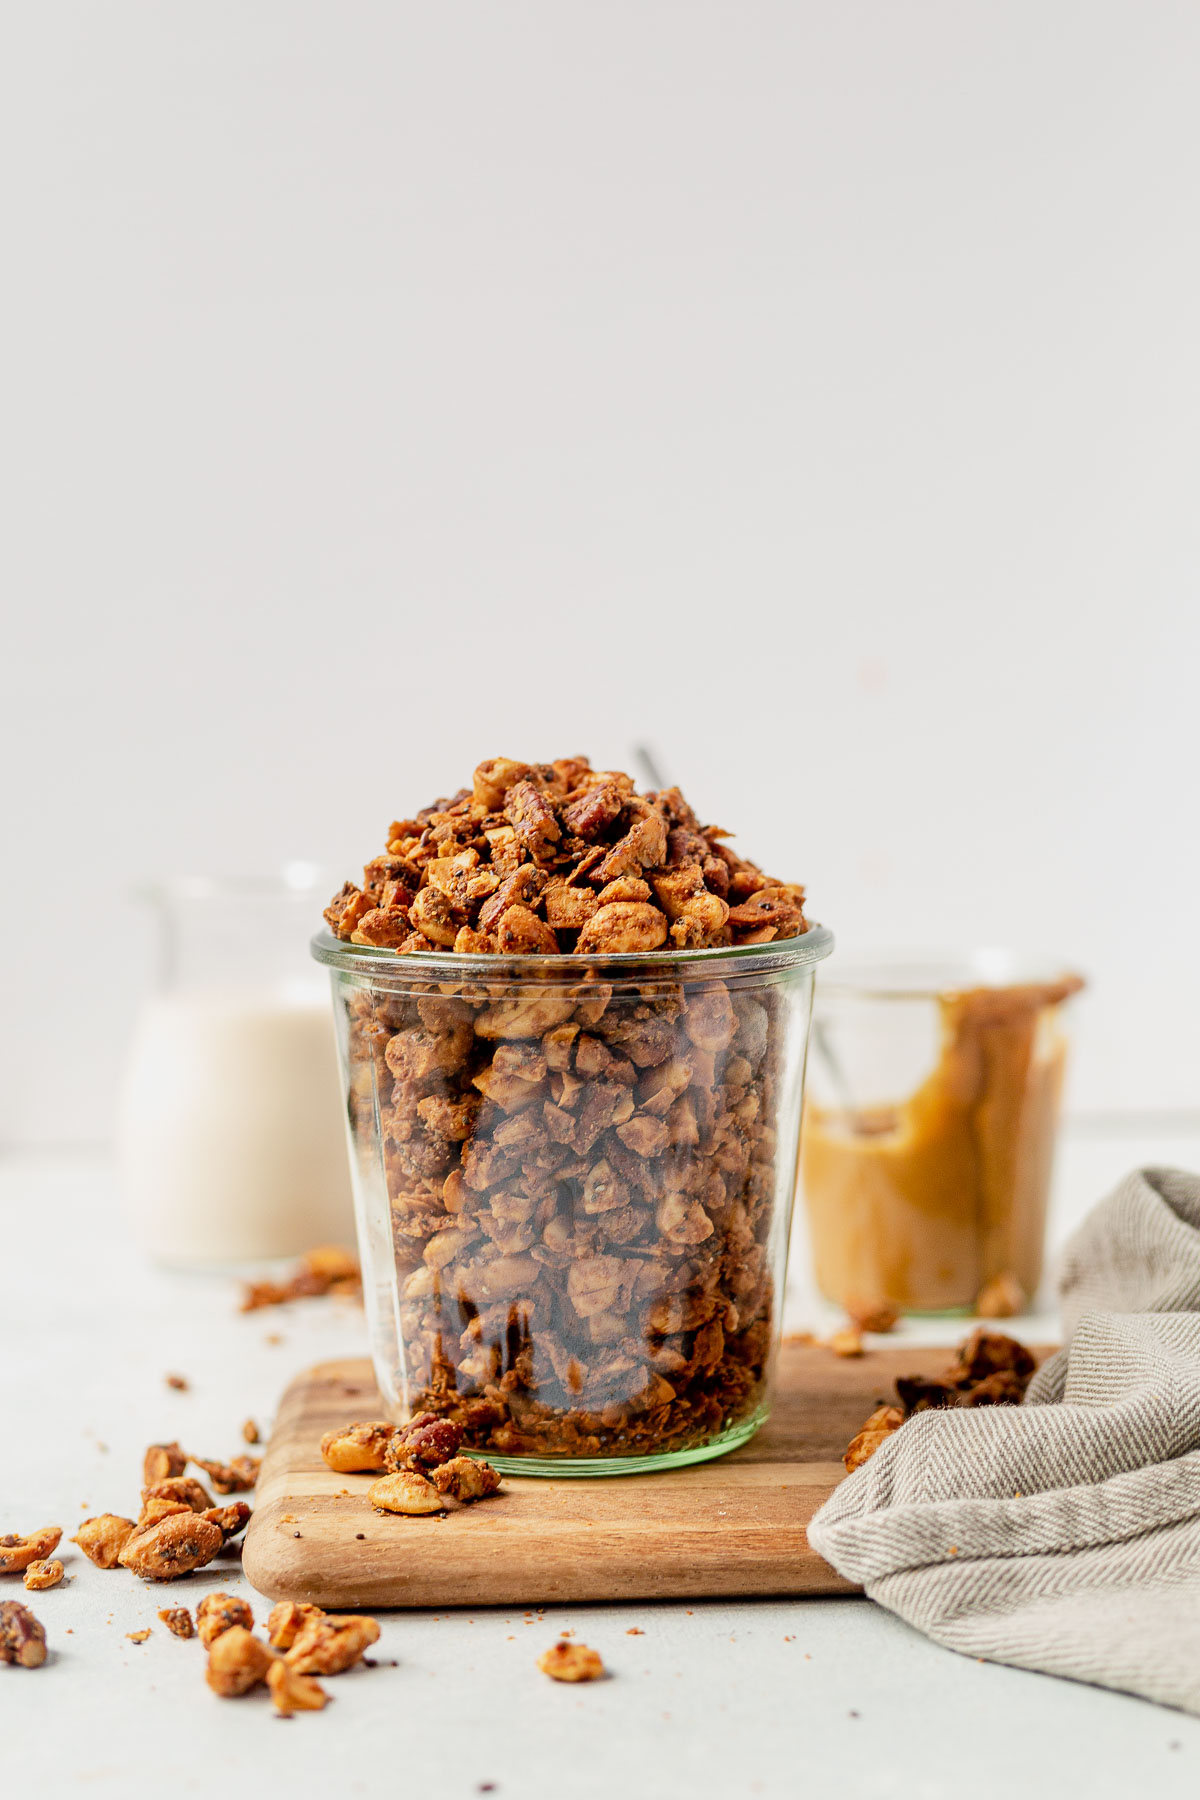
989,1369
425,1469
542,858
179,1528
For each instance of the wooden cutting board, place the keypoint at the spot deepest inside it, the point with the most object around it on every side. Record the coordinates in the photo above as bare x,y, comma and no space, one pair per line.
735,1525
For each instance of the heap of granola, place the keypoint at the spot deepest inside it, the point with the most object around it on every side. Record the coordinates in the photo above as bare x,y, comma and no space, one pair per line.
582,1174
542,858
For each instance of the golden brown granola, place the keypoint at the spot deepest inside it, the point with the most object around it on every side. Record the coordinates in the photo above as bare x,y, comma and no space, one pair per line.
424,1443
237,1661
407,1491
220,1612
331,1643
22,1637
103,1538
285,1621
44,1574
465,1479
173,1547
571,1662
234,1477
540,858
1002,1297
989,1369
179,1382
16,1552
325,1270
292,1692
359,1448
880,1426
182,1490
230,1519
161,1462
178,1621
249,1432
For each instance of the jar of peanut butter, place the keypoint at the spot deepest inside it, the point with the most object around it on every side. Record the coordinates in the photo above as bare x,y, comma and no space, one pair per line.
929,1131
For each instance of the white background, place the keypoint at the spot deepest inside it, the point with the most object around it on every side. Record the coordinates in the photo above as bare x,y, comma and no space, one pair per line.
810,390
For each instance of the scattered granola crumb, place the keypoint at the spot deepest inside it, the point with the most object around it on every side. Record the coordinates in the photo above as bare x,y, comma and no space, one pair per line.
237,1661
466,1479
1002,1297
571,1662
218,1613
872,1315
178,1621
22,1637
274,1337
179,1382
173,1547
234,1477
635,1631
880,1426
162,1462
44,1574
292,1692
331,1643
405,1492
138,1637
249,1431
358,1449
326,1270
17,1552
799,1337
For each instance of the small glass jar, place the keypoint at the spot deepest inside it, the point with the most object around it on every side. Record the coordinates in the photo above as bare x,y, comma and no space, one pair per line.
230,1140
930,1128
574,1180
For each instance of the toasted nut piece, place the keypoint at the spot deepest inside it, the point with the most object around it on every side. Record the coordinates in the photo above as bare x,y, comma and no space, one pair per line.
178,1621
171,1548
405,1492
235,1477
249,1431
230,1519
880,1426
22,1637
357,1449
571,1662
138,1637
155,1510
44,1574
334,1642
285,1622
466,1479
621,927
161,1461
16,1553
294,1693
1002,1297
424,1442
182,1488
237,1661
220,1612
179,1382
103,1538
872,1315
846,1342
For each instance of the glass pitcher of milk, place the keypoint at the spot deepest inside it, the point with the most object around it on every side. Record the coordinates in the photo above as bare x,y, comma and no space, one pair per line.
231,1137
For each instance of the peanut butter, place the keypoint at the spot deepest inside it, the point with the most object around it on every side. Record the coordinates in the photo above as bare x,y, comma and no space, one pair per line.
924,1202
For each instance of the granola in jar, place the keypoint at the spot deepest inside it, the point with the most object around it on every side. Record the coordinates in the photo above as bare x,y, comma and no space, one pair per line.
573,1025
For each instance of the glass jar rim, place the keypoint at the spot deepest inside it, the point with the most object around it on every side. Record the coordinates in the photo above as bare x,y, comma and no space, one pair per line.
921,974
811,947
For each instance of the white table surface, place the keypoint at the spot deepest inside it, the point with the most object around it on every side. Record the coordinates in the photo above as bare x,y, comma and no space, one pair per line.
822,1697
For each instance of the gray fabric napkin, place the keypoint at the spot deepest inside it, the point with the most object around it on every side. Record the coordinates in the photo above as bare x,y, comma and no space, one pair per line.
1064,1534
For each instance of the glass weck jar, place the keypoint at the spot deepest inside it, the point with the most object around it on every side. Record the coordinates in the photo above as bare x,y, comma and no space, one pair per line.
574,1181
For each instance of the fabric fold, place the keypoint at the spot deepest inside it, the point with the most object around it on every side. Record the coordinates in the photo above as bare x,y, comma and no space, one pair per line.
1064,1534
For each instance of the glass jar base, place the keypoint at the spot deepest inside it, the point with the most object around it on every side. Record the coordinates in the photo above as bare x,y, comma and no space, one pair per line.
574,1468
